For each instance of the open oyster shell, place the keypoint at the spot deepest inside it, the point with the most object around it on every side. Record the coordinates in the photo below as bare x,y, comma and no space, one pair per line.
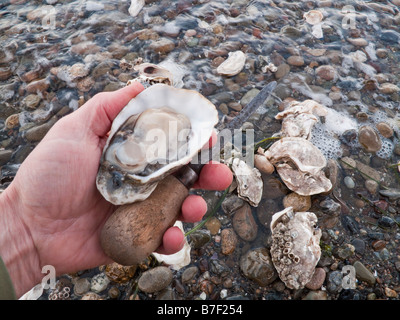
300,165
295,249
159,131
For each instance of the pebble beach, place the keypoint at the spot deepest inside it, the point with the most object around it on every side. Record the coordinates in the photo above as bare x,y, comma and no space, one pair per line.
56,55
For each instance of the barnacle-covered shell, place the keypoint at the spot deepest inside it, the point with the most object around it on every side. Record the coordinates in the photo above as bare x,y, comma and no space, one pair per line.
159,131
299,119
300,165
233,65
250,184
295,249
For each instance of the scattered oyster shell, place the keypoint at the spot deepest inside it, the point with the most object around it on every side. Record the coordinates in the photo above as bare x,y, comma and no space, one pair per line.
300,165
250,184
179,259
233,65
135,7
295,249
315,17
150,74
140,152
299,118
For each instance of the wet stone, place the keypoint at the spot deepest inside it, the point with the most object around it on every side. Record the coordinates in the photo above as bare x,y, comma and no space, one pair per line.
359,246
5,156
257,265
298,202
317,279
369,139
316,295
82,286
387,222
37,133
326,72
228,241
296,61
156,279
189,273
363,274
213,225
199,238
334,281
162,46
244,224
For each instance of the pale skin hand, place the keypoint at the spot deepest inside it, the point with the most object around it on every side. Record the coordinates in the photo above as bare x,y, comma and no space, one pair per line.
52,212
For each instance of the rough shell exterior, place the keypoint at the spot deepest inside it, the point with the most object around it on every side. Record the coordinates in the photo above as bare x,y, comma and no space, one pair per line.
300,165
295,249
313,17
233,65
300,117
118,185
150,73
250,184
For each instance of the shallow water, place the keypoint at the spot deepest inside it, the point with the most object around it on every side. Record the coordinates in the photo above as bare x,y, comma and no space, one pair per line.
190,38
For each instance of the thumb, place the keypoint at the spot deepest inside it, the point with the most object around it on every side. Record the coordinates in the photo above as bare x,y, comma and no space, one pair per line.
100,111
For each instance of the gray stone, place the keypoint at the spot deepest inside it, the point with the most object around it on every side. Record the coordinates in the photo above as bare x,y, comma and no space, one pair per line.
248,96
155,279
189,273
334,281
5,156
363,274
82,286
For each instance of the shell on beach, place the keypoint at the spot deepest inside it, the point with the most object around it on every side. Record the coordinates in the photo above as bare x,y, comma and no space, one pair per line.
300,165
299,118
295,249
150,73
313,17
156,133
135,7
233,65
249,182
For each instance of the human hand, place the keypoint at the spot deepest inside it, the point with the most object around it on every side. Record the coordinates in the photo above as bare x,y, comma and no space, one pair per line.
54,208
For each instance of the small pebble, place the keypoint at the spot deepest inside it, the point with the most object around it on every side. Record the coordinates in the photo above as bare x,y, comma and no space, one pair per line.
349,182
317,279
99,283
296,61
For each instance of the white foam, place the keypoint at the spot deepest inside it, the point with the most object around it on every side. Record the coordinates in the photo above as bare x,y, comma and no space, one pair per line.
338,122
326,141
387,149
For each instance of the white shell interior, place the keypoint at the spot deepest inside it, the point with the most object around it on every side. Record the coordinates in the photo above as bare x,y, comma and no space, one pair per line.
203,117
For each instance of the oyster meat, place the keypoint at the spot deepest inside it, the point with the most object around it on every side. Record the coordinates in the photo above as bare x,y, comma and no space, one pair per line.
159,131
300,165
295,249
